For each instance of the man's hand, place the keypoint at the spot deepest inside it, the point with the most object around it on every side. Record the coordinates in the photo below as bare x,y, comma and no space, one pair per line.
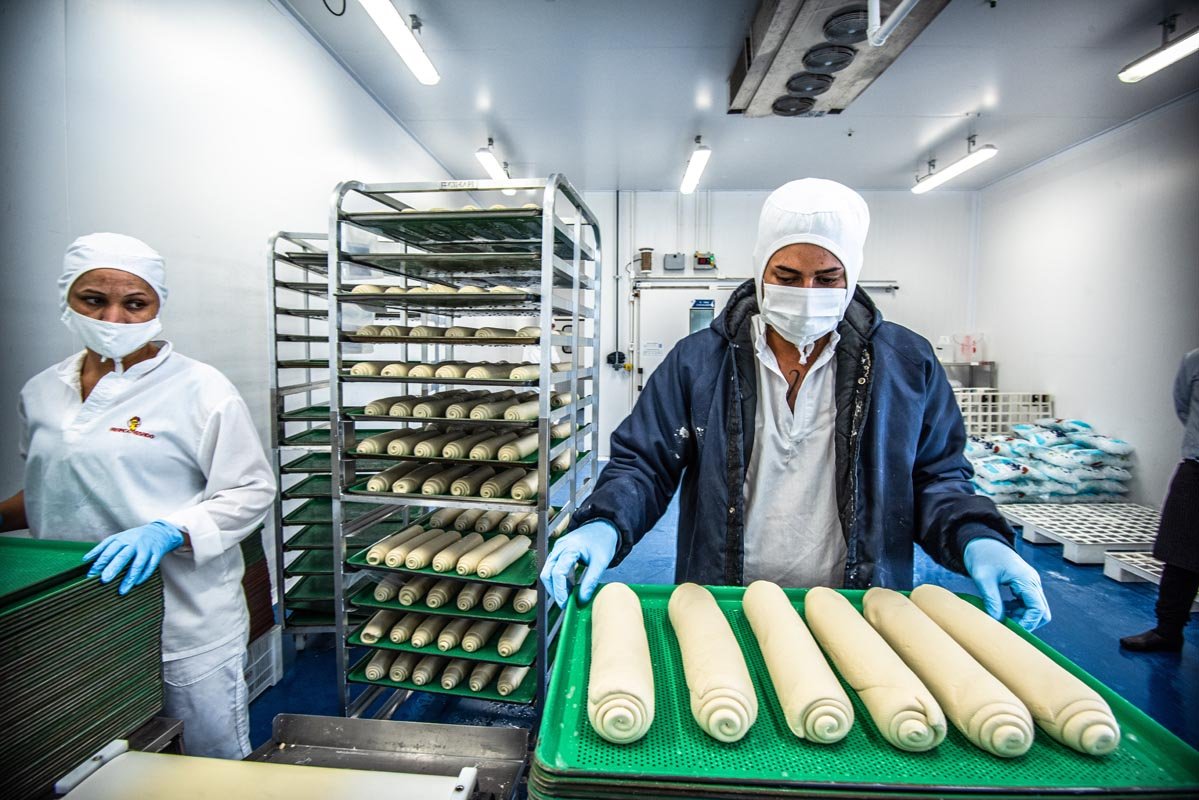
593,543
992,564
144,546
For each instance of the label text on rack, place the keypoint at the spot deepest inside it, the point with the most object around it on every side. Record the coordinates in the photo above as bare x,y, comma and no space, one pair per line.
459,184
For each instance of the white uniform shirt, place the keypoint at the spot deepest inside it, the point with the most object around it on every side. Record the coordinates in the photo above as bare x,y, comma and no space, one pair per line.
169,439
792,532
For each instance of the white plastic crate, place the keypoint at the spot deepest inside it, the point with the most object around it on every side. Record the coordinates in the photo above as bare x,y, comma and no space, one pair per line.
988,412
265,667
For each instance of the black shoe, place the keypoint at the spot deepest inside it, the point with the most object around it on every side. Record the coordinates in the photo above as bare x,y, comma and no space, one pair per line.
1149,641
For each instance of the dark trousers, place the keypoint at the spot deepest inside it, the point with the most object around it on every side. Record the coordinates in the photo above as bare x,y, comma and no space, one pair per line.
1174,597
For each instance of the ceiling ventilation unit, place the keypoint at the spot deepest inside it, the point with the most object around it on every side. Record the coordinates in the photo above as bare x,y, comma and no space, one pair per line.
810,57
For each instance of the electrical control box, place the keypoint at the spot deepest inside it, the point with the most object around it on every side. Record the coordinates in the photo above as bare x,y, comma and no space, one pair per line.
705,261
674,262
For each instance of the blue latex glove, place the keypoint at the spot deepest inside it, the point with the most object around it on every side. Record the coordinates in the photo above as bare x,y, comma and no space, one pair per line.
992,564
593,543
144,546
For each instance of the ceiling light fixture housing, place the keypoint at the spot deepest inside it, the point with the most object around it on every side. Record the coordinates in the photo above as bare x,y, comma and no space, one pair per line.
402,38
495,170
695,166
1171,51
973,158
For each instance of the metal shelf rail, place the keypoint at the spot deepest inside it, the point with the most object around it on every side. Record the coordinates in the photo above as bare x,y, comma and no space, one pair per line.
299,381
549,253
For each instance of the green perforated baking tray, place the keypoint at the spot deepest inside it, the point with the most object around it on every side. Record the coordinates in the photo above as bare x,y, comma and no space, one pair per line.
320,436
523,572
366,599
311,562
320,510
521,658
323,462
523,694
29,565
312,588
770,756
319,536
312,486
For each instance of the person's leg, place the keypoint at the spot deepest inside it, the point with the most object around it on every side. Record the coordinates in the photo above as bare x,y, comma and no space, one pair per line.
1174,597
208,692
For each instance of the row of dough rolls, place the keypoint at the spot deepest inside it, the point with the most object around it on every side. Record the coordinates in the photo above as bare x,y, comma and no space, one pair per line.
446,633
457,480
448,551
444,671
473,370
531,332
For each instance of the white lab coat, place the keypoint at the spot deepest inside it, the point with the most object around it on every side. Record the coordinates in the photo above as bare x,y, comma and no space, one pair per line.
169,439
792,532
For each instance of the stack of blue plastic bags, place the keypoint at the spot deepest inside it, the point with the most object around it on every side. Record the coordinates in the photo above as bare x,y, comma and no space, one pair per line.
1052,461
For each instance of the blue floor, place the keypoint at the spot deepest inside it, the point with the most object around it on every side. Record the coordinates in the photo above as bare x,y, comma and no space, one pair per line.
1090,614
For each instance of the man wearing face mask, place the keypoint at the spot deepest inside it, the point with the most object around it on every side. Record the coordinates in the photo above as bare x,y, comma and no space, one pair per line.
154,456
815,443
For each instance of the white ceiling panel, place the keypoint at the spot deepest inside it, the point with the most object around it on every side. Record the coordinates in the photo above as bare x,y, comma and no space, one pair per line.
612,93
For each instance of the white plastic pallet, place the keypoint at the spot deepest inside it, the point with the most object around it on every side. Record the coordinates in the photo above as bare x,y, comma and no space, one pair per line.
1087,532
1131,567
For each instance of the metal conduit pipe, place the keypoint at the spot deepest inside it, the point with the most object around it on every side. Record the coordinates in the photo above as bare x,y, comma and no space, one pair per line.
877,31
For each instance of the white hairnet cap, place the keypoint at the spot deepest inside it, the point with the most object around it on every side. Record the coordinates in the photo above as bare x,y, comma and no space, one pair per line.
814,211
112,251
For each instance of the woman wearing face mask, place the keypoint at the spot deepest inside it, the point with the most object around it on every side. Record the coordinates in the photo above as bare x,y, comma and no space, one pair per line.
154,456
815,443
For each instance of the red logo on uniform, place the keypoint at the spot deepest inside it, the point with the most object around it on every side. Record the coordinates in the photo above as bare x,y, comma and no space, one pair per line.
133,425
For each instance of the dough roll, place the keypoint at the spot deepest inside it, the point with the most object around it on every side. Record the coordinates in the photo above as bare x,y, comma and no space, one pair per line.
470,595
420,557
461,409
512,639
402,631
478,635
374,445
489,372
526,372
903,710
396,370
433,446
394,330
523,411
495,597
981,707
526,487
488,449
452,634
501,484
491,410
413,481
482,675
447,558
402,407
461,447
379,665
368,330
500,559
525,601
444,517
469,562
529,332
406,445
522,447
442,481
527,525
563,461
427,330
383,481
366,369
387,589
421,370
509,522
454,369
1065,707
454,673
562,430
367,288
414,590
495,333
401,668
490,521
379,550
510,680
427,632
440,593
467,521
433,408
620,683
459,332
396,555
468,485
470,290
723,701
560,399
378,625
813,702
380,407
427,669
396,290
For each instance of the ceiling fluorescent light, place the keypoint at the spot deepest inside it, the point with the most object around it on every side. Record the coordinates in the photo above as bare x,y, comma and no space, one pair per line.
695,167
973,158
495,170
1164,56
402,38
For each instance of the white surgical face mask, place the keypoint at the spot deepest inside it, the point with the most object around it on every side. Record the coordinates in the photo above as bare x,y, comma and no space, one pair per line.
801,316
113,340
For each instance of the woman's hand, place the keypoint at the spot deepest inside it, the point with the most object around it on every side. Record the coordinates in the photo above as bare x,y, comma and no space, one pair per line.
144,546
